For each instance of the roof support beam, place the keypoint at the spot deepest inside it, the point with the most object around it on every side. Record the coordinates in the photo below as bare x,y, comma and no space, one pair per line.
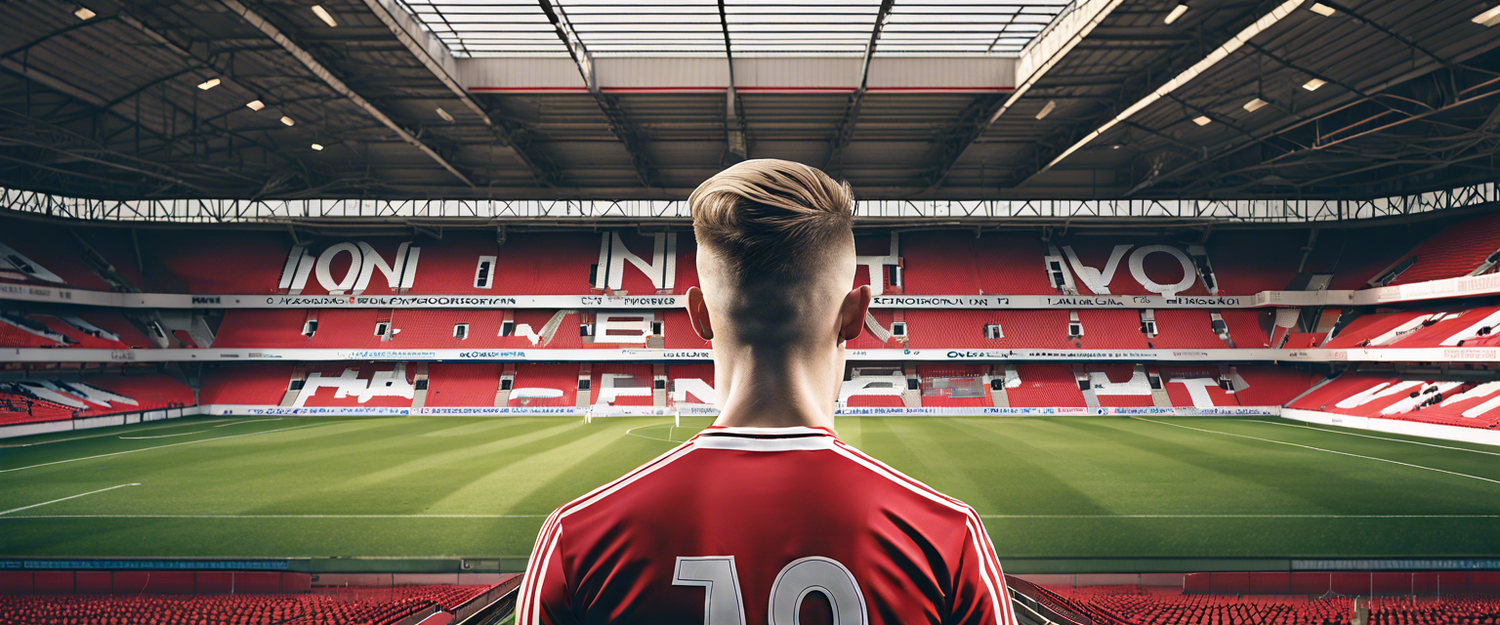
734,121
619,124
333,82
545,173
1226,149
1042,54
845,131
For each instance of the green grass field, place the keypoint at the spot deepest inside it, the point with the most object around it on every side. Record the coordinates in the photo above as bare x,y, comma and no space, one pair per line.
480,487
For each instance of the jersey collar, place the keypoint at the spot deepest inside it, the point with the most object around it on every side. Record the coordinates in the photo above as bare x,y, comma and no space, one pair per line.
765,439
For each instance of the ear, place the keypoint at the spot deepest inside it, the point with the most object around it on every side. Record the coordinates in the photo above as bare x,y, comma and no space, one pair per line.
698,314
852,313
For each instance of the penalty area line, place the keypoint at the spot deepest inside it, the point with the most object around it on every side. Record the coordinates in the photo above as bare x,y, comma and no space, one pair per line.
131,451
44,503
1331,451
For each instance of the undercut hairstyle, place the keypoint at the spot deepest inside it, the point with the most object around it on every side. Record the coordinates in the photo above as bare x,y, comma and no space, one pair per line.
771,218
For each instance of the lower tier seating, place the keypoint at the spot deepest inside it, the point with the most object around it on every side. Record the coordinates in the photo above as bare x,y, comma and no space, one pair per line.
1458,402
1134,605
361,606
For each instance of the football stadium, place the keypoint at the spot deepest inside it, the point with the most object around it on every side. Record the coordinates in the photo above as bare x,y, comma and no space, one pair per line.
312,312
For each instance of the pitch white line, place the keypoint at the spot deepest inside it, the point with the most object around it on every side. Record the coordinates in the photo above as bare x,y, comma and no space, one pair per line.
238,422
631,432
1331,451
92,492
131,451
142,438
107,434
1382,438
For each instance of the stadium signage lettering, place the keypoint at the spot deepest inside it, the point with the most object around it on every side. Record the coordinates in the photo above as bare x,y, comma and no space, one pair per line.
1085,302
205,299
364,261
500,354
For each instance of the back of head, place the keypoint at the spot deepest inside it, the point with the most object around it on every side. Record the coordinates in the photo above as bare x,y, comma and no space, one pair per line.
775,241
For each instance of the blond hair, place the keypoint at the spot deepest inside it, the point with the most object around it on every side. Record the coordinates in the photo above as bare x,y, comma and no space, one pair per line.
770,217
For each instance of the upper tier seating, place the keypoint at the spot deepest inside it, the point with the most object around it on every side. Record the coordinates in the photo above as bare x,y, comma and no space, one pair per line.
542,263
1454,251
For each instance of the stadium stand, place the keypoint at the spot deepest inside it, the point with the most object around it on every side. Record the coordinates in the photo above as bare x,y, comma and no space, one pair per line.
629,384
1045,386
684,390
365,606
1132,605
1181,329
947,385
462,384
151,392
1376,329
22,332
1111,329
1120,385
1247,327
1454,251
265,328
678,331
253,384
545,385
358,384
247,262
1457,402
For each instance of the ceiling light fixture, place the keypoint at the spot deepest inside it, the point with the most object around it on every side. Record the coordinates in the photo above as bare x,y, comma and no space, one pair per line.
1488,18
1202,120
1213,58
447,117
84,13
1046,110
1312,85
1176,13
317,147
1255,105
324,15
255,105
208,84
1322,9
287,120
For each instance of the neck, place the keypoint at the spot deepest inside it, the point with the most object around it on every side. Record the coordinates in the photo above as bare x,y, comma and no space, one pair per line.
772,388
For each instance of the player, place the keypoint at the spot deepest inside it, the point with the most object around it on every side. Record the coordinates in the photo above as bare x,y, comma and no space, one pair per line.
766,516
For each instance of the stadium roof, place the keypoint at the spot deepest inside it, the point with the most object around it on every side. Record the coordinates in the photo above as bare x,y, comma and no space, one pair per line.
609,99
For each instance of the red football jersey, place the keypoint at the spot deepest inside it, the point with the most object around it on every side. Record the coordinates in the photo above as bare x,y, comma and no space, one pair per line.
743,526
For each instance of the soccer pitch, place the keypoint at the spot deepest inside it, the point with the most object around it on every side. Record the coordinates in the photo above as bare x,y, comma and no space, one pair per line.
1084,487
